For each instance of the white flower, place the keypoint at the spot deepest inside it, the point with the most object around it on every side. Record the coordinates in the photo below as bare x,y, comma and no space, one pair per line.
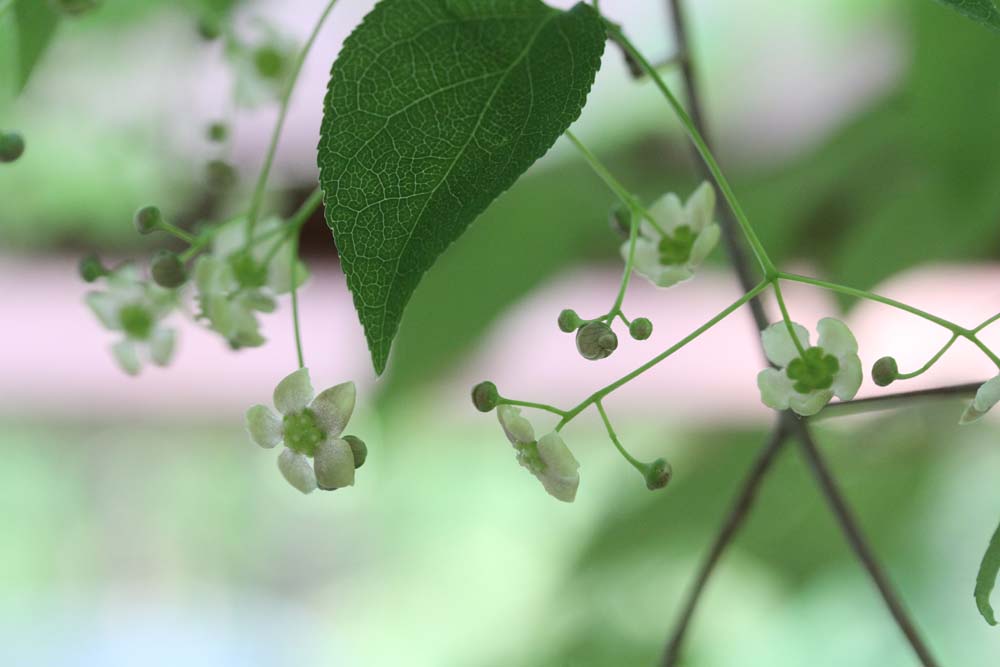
987,396
548,459
806,384
686,235
310,428
135,307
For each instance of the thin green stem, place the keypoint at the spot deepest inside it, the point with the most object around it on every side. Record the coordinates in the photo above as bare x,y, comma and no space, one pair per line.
933,360
174,230
986,323
987,351
787,318
601,393
766,265
636,463
258,194
295,300
633,236
528,404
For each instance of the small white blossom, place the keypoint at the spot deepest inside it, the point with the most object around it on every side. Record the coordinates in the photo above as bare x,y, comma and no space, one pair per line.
687,234
548,459
807,383
135,307
987,396
309,428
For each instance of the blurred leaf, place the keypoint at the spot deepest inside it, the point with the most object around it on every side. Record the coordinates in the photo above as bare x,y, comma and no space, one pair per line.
415,143
36,25
981,11
987,577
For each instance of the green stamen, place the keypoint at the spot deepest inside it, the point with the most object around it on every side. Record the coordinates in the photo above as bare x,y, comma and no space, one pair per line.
302,432
137,321
814,370
676,248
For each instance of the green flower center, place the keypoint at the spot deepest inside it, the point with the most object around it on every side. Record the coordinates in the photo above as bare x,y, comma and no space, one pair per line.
301,432
813,370
528,456
676,248
249,273
136,320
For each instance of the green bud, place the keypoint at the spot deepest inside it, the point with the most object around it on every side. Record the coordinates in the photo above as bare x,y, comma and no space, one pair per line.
221,175
217,131
248,271
485,396
569,321
168,270
658,474
596,341
885,371
147,220
620,220
358,448
91,268
269,62
208,29
74,7
641,328
11,146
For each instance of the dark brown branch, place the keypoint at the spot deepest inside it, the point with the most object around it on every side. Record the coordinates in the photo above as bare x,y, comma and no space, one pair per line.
735,517
872,403
860,545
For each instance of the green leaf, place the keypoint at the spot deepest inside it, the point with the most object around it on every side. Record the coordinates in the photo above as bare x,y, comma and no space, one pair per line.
980,11
36,24
435,108
987,577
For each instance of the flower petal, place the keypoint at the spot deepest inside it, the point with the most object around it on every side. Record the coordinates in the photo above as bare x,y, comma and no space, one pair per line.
778,344
988,394
668,212
294,392
700,207
231,237
161,346
775,388
647,258
704,244
106,307
127,356
811,403
279,272
668,276
847,381
334,464
835,338
333,408
263,426
517,428
560,477
296,469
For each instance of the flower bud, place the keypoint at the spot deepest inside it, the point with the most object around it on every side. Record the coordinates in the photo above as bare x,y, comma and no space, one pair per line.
269,62
91,268
208,29
620,220
885,371
217,132
658,474
485,396
147,220
641,328
11,146
358,448
569,321
596,341
168,270
220,174
74,7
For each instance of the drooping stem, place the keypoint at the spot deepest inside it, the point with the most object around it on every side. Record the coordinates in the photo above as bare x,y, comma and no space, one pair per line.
930,362
529,404
787,318
633,237
636,463
295,299
257,197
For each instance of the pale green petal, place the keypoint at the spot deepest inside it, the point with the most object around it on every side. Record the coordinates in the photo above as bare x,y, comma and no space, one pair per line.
517,428
971,414
125,277
106,307
848,379
127,356
704,244
668,276
279,271
214,276
294,392
700,207
297,470
778,344
263,426
646,259
987,395
161,346
835,338
811,403
256,300
648,232
560,476
668,212
775,388
333,408
334,463
230,237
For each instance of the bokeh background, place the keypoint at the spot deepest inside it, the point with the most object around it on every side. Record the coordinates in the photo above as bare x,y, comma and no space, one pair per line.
138,525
